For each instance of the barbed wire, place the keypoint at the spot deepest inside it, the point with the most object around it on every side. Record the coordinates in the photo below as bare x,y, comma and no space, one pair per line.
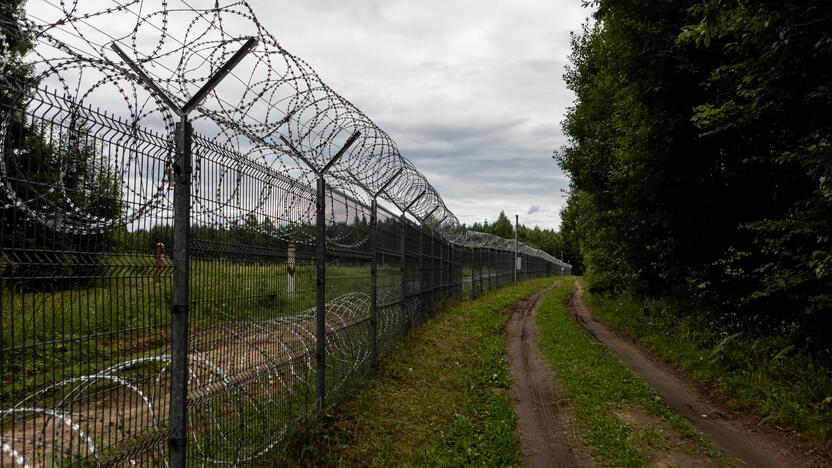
272,94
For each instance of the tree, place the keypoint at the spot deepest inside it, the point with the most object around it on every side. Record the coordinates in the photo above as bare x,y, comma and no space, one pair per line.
503,227
570,236
15,43
56,172
547,240
699,156
767,113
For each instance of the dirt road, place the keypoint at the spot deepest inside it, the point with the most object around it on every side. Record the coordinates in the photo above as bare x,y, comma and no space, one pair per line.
741,444
544,440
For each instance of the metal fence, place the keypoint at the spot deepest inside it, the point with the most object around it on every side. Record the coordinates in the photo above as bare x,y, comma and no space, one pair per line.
191,269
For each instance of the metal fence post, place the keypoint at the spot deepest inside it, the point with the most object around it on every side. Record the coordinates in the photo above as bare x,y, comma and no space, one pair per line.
402,265
421,268
180,294
403,218
451,271
374,270
458,268
320,282
516,232
373,241
450,286
481,263
373,286
474,293
478,256
432,276
320,265
442,273
490,269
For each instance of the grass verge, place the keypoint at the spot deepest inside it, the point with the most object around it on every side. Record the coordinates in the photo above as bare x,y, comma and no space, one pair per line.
783,384
616,414
440,399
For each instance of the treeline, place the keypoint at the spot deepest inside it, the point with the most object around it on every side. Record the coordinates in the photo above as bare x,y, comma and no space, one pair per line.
270,238
547,240
700,158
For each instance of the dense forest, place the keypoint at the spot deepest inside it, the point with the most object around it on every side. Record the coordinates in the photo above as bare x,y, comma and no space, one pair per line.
700,160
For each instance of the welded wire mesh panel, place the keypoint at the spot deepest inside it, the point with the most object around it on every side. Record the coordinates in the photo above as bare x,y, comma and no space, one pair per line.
426,271
347,292
458,269
487,269
389,256
474,272
467,269
252,285
414,271
84,284
444,271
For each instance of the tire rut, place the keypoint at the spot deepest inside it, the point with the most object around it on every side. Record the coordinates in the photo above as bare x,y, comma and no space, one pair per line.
742,446
544,439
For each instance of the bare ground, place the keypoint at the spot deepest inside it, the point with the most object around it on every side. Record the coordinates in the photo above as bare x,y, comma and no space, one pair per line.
742,443
544,438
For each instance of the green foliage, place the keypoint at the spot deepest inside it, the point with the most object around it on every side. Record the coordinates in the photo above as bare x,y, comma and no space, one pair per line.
570,237
503,227
84,186
63,319
14,45
62,173
700,158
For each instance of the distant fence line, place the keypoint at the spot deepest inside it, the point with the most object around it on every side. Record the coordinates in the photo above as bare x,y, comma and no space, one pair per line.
199,244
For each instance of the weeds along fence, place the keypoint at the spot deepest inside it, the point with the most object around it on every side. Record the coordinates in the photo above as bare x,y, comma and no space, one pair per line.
202,244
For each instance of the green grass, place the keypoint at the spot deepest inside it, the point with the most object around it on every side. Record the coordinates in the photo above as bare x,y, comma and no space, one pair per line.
597,386
768,375
440,399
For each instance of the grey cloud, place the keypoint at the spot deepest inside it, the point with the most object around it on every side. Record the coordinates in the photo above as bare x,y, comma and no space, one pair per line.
449,130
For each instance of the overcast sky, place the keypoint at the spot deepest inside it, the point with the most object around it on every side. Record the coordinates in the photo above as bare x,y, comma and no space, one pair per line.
471,90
